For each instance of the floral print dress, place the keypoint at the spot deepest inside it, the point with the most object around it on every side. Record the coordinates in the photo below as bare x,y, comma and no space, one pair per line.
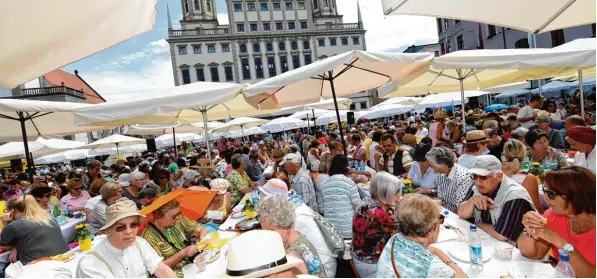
372,225
238,181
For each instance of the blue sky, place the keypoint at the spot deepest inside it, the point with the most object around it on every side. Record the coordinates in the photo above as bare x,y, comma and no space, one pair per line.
143,62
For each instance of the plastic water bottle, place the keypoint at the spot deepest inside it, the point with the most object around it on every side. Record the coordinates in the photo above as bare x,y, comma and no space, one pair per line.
474,246
362,165
525,165
564,269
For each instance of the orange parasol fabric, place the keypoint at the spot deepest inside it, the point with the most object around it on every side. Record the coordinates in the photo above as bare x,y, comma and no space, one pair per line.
193,204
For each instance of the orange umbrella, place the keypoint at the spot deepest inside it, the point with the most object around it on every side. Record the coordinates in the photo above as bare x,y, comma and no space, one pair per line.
193,204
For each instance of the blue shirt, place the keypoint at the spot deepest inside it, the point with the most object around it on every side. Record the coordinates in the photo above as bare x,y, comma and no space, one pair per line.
340,196
426,181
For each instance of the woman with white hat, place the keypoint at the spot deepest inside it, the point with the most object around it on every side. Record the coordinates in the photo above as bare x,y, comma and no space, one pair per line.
222,201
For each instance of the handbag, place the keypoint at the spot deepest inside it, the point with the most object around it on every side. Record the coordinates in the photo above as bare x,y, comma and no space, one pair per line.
331,235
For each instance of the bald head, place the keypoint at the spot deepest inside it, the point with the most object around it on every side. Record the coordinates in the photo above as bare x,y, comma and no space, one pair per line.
574,121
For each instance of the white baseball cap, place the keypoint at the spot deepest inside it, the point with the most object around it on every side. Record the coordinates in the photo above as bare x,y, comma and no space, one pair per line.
484,165
291,158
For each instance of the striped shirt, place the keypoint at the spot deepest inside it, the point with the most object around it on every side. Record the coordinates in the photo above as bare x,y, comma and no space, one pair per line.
340,196
454,187
174,243
302,184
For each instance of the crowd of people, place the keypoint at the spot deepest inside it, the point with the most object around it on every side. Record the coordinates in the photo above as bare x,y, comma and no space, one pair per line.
311,195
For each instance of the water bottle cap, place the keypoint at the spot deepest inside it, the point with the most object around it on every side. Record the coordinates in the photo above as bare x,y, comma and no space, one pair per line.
564,255
473,227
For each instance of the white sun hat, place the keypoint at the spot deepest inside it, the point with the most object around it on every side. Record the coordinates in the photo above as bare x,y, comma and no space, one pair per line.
256,254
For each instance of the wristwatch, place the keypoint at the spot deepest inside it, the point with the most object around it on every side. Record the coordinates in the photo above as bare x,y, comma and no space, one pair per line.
568,248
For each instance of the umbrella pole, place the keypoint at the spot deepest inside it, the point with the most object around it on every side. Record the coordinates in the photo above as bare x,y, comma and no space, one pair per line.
461,81
117,152
331,79
314,125
242,131
28,158
308,123
582,95
206,134
174,140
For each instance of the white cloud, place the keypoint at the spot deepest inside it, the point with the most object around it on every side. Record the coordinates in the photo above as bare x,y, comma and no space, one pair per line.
388,32
151,50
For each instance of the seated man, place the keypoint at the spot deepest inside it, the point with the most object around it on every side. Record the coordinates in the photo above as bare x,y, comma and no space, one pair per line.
498,203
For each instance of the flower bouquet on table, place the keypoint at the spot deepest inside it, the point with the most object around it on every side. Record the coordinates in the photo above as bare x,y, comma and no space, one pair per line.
408,187
83,236
249,209
537,171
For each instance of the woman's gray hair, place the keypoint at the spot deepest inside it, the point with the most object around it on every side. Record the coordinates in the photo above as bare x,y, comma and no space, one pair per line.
441,156
277,211
383,187
543,118
416,215
136,175
237,160
110,190
490,124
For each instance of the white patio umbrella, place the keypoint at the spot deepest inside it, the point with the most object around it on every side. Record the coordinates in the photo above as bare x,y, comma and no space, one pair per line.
158,130
555,85
118,151
240,123
447,99
309,114
532,16
283,123
176,139
34,45
39,147
182,104
399,101
331,117
115,140
513,93
68,155
386,111
339,75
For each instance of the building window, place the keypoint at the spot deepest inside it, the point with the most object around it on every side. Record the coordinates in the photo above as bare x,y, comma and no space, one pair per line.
256,47
243,48
300,5
215,75
267,27
593,29
282,46
186,6
263,6
291,26
244,62
182,50
439,25
276,6
352,106
238,7
258,67
228,72
254,27
557,37
459,43
306,45
186,76
363,105
490,31
456,21
332,41
307,59
240,27
522,43
356,41
196,49
344,41
251,7
269,47
271,66
225,48
303,25
208,5
289,6
449,46
279,26
446,24
200,74
296,61
293,45
196,5
321,42
284,64
211,48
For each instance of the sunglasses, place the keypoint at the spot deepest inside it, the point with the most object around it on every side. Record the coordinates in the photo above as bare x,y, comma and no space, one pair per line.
551,194
122,227
77,189
481,177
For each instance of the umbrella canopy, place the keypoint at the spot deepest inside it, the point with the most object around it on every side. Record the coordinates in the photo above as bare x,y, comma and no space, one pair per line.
447,99
399,101
64,156
39,147
545,16
303,114
157,130
343,103
513,93
495,107
33,45
240,124
343,74
555,85
115,140
386,111
119,150
283,123
330,117
507,87
168,139
193,204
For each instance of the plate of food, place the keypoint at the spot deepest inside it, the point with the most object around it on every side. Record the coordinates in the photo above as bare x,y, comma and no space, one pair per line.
64,257
211,256
237,215
531,270
460,251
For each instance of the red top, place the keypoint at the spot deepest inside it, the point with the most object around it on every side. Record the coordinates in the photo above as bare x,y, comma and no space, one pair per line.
323,140
584,243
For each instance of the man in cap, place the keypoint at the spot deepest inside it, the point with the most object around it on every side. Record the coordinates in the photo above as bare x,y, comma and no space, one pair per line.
498,203
302,182
122,254
582,139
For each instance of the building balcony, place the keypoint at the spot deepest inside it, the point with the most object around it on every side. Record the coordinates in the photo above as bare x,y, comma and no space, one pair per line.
199,32
337,26
52,93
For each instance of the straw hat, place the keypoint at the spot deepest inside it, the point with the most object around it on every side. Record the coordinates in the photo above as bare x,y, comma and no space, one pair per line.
439,115
203,163
278,154
475,136
256,254
407,139
118,211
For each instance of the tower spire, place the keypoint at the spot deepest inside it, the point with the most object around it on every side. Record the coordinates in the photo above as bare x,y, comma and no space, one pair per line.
169,20
359,19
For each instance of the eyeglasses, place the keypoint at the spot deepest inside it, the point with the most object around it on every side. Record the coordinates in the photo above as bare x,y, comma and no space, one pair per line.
441,219
122,227
551,194
481,177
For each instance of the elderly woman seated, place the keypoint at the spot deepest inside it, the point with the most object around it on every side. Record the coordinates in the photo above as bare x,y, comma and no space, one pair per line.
373,223
276,214
419,220
110,193
220,207
541,151
171,234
